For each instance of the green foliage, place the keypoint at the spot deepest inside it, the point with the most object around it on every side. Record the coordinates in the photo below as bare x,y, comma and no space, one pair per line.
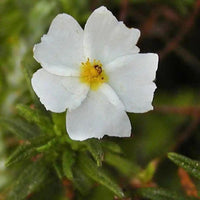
58,170
35,116
30,180
29,149
97,174
160,194
111,146
101,192
23,152
81,181
68,160
78,9
27,71
147,174
191,166
95,148
124,166
58,119
20,128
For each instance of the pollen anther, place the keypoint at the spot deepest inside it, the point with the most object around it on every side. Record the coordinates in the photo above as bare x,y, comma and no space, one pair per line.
92,73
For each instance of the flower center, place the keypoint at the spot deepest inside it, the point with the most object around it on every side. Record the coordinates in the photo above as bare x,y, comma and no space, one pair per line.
93,74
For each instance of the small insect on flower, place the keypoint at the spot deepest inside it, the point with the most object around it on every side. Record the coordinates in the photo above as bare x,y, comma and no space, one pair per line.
97,74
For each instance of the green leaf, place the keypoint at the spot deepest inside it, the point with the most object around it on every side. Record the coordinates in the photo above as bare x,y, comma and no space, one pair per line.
147,174
58,169
68,160
48,146
59,123
102,193
23,152
20,128
82,182
31,179
191,166
26,65
41,140
90,168
111,146
94,147
124,166
35,116
160,194
26,151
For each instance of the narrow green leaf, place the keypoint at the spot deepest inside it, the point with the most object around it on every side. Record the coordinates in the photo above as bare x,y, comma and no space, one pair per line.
30,180
191,166
51,143
111,146
23,152
41,140
68,160
58,170
97,174
147,174
94,147
82,182
26,66
20,128
59,123
35,116
124,166
159,194
27,151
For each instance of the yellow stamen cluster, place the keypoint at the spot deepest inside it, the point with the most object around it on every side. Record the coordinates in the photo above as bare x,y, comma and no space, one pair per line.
93,74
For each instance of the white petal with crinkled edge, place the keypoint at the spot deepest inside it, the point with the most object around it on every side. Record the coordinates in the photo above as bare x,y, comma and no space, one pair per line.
61,50
105,38
58,93
132,79
99,114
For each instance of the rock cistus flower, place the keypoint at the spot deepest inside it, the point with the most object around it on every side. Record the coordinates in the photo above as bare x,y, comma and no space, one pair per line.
97,74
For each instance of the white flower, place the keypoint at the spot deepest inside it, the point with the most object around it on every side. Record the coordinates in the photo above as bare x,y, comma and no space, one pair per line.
97,74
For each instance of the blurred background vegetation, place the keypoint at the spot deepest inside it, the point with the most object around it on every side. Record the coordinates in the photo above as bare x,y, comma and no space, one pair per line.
139,165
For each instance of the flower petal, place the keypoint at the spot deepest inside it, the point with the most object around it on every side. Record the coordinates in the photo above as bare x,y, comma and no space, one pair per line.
132,79
58,93
98,115
61,50
105,38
